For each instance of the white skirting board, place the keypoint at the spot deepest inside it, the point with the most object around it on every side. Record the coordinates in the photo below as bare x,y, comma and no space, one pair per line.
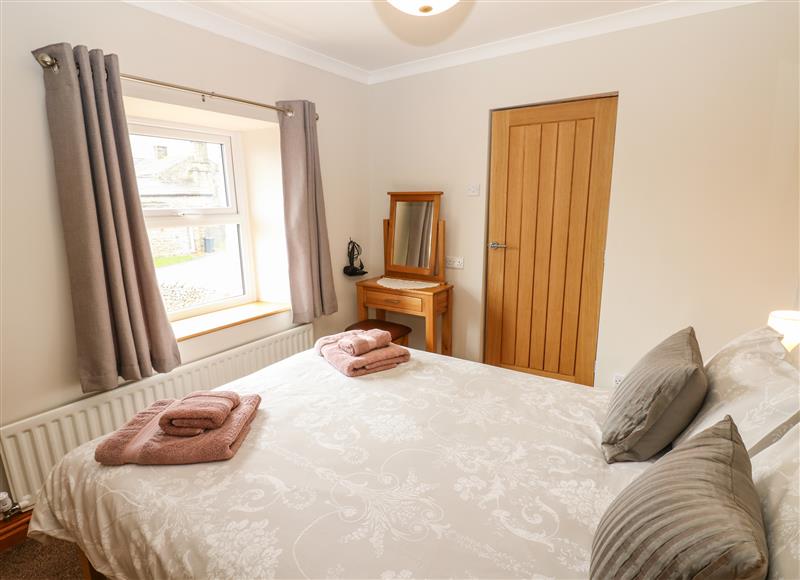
31,447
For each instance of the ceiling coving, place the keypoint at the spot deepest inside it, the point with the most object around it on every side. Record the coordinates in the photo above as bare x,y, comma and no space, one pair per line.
372,41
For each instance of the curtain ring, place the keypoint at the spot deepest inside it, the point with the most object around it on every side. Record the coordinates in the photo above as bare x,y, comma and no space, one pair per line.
47,61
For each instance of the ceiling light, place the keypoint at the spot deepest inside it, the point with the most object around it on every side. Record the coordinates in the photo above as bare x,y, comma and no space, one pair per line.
423,7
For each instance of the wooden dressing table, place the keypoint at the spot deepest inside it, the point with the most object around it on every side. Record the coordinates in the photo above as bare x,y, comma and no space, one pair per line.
426,302
413,239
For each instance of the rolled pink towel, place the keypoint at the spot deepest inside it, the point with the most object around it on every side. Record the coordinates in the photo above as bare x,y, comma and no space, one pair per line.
142,441
359,344
333,339
380,359
197,412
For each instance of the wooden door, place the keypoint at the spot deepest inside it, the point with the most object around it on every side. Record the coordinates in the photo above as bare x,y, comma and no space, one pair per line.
548,214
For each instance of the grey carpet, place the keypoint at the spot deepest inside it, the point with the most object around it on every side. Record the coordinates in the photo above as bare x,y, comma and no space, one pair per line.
32,560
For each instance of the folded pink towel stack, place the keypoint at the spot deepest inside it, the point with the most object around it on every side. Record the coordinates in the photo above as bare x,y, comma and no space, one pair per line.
142,441
197,412
380,359
359,344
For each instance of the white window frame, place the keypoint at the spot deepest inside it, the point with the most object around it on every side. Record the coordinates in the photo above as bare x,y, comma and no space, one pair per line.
237,213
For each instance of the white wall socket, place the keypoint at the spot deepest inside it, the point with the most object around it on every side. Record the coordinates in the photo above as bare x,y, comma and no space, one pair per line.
473,189
454,262
618,379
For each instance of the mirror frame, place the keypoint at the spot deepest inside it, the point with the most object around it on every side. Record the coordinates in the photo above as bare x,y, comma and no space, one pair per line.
410,271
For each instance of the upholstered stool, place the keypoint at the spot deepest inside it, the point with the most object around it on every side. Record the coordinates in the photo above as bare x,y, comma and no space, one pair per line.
399,332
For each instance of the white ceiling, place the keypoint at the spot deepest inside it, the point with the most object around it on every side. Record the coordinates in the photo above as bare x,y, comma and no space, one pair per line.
371,41
373,35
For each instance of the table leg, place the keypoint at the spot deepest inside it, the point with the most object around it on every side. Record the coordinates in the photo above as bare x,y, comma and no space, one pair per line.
363,311
447,326
430,326
380,314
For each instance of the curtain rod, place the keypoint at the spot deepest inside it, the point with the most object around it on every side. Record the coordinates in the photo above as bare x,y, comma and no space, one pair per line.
49,62
205,94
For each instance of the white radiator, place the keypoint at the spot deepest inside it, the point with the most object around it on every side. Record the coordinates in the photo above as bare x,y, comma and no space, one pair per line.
31,447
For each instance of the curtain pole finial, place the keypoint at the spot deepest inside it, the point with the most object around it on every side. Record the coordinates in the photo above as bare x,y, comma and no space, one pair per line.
47,61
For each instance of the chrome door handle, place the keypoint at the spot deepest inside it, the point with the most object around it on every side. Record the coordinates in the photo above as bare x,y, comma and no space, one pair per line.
496,245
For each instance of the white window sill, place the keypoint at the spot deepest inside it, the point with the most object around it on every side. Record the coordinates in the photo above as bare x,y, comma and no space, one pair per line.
213,321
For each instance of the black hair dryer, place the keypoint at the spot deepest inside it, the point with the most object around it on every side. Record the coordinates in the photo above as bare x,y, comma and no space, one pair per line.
353,253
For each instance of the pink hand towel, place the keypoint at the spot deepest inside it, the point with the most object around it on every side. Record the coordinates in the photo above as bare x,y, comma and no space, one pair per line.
142,441
333,339
359,344
197,412
374,361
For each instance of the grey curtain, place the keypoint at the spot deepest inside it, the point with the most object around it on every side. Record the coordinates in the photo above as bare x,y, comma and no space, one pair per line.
310,272
121,325
425,258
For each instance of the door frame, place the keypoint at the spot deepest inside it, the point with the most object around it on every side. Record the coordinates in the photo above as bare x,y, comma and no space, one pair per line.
484,319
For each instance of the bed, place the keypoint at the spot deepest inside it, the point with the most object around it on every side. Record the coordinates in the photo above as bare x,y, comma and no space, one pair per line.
438,468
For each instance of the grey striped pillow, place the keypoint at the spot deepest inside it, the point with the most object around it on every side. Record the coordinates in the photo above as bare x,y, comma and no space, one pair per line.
656,401
693,514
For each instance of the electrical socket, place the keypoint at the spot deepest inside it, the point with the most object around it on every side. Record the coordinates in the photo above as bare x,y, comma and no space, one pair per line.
473,190
618,377
454,262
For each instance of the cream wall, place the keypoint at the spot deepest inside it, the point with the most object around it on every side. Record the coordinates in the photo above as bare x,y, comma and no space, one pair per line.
703,226
265,187
38,352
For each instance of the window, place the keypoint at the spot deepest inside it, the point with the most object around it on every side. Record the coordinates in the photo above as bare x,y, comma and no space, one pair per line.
196,218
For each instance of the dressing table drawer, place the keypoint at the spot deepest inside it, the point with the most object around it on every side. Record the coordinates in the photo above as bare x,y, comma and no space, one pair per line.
386,301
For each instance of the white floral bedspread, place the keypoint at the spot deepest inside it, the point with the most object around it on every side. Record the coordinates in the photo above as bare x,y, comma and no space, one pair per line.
440,468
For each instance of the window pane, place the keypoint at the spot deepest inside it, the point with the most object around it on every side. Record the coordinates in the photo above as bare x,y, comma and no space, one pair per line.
179,173
197,265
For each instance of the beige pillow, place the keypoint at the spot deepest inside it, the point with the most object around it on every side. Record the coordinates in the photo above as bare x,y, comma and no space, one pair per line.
754,380
657,399
693,514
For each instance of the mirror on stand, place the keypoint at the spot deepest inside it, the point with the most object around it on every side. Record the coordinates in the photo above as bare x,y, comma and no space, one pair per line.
414,235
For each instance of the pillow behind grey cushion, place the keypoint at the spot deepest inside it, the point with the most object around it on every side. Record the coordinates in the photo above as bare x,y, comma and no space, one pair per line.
694,514
656,400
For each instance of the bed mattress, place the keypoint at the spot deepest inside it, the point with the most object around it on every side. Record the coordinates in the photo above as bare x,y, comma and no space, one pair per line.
438,468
